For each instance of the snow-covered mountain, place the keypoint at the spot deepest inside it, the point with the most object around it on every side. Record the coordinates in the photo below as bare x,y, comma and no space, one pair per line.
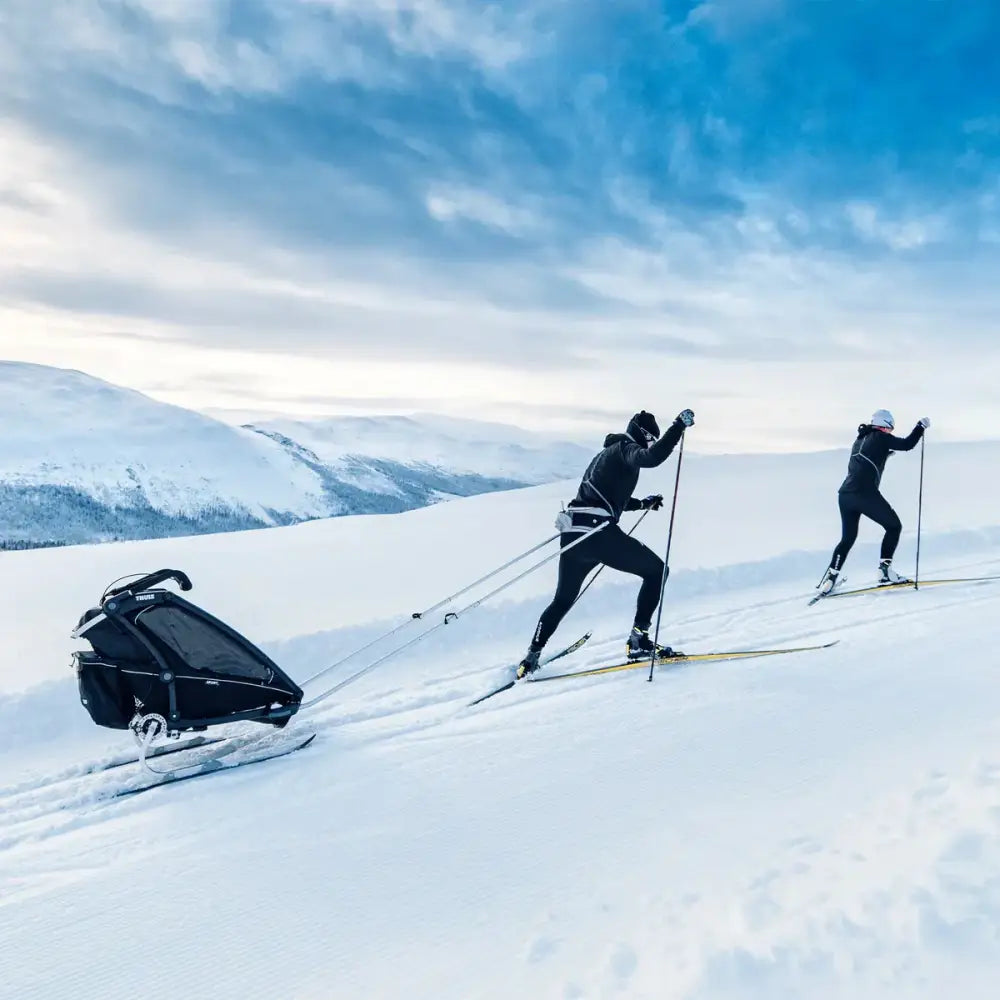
429,441
83,460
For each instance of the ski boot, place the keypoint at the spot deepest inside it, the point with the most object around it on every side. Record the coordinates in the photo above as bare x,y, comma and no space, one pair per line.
888,576
640,647
529,664
829,582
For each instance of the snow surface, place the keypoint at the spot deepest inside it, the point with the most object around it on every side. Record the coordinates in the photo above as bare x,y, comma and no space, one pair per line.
821,825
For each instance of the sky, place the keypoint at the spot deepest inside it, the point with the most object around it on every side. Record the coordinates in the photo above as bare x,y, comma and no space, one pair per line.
781,213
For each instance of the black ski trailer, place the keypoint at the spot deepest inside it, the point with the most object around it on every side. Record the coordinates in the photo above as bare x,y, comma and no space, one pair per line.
156,656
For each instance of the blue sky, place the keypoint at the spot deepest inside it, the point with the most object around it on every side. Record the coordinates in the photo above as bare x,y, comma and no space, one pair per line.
783,213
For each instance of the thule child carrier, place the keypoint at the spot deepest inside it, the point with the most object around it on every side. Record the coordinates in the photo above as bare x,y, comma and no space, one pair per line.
159,660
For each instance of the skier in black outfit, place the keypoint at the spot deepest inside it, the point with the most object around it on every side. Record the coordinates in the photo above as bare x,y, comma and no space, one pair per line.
604,494
859,494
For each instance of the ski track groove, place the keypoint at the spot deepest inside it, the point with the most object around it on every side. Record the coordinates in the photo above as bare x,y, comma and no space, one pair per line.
33,822
80,794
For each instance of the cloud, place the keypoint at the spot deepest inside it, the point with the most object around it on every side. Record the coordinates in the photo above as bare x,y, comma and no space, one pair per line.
545,200
460,204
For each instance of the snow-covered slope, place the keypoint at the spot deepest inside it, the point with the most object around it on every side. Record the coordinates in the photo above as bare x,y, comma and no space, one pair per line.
82,460
817,826
69,434
470,447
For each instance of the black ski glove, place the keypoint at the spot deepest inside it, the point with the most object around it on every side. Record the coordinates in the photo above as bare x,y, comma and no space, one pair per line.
653,502
686,417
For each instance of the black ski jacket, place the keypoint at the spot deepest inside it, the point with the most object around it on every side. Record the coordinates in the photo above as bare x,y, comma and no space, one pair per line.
614,473
869,454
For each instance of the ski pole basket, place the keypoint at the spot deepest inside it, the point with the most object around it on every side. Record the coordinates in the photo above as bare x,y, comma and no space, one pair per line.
156,654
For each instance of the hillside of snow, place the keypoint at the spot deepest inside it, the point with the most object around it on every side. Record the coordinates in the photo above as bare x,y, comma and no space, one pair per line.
82,460
471,447
817,825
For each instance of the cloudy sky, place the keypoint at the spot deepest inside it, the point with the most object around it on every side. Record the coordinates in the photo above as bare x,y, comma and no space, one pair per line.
783,213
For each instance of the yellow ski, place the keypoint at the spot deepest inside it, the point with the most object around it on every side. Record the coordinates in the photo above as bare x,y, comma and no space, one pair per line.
874,588
744,654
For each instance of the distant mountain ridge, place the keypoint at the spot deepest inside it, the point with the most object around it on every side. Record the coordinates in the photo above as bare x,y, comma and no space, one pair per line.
82,460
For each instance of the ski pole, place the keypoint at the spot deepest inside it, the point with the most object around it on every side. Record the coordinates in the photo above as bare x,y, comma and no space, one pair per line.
421,614
599,568
449,618
920,513
666,559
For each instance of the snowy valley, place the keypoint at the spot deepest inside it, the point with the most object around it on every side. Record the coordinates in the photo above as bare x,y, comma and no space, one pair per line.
85,461
820,825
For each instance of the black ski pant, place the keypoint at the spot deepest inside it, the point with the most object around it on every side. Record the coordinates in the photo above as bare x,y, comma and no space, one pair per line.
875,506
610,547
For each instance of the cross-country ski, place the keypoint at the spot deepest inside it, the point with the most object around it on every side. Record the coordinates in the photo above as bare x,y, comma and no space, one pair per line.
680,660
508,684
904,585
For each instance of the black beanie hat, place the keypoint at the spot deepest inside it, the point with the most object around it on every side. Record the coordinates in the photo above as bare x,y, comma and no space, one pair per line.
643,421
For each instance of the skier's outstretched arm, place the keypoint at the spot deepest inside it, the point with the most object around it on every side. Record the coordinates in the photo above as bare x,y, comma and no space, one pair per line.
910,441
658,452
